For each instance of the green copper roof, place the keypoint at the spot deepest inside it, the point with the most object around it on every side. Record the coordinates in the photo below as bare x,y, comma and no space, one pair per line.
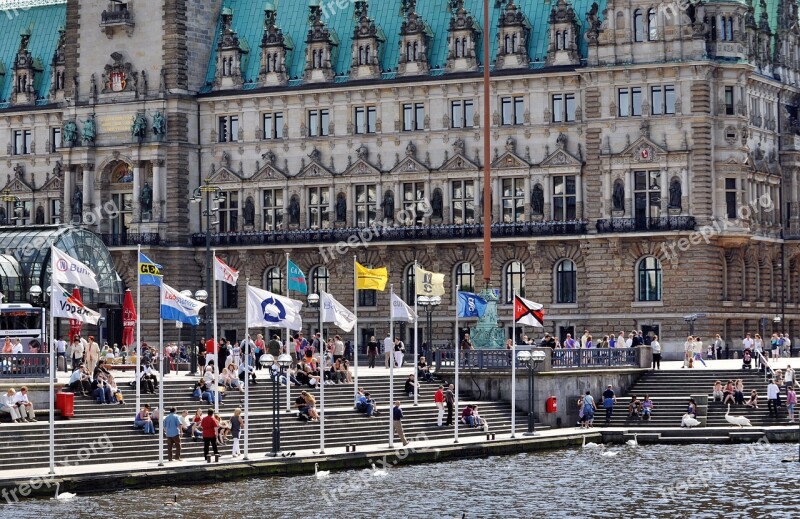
292,17
43,23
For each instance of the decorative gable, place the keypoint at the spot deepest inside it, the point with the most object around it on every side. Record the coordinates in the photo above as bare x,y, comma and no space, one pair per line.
367,44
509,159
644,150
58,69
564,31
315,168
415,38
276,50
560,158
224,175
322,45
231,55
410,164
269,171
512,37
462,39
25,69
459,161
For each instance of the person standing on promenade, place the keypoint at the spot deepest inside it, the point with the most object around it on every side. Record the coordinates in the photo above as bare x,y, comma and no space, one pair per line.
656,346
237,422
438,399
772,398
372,351
589,407
688,349
450,400
209,425
609,399
172,430
397,422
92,354
718,345
388,350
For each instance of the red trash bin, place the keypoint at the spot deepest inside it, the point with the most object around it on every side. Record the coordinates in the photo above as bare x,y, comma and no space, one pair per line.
65,402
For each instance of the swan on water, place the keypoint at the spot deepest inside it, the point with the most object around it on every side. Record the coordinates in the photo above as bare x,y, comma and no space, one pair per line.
590,445
378,472
65,495
609,453
321,474
634,442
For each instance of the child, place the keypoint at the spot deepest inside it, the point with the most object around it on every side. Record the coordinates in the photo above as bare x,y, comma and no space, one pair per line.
791,401
580,412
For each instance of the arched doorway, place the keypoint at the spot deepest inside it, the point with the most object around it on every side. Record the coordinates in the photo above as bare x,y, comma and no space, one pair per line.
117,199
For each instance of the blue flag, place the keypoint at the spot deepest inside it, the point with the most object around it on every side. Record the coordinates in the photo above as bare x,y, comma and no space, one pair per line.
470,305
297,280
149,272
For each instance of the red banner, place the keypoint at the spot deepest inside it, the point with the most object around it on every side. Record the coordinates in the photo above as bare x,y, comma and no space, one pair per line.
74,324
128,319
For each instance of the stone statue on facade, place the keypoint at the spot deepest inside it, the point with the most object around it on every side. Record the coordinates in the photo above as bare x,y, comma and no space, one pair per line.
341,208
537,200
70,133
437,203
388,205
675,194
146,201
88,131
40,215
159,124
139,126
294,210
77,202
249,212
618,197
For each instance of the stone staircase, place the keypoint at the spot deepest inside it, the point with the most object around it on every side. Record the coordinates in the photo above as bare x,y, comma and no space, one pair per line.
26,445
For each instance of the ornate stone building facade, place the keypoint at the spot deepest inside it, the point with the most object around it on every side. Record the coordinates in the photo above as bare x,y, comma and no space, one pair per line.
645,155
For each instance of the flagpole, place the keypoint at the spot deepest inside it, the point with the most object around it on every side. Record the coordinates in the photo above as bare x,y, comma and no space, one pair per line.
416,332
139,326
247,387
53,368
355,333
457,359
216,344
514,371
321,376
288,340
391,366
161,383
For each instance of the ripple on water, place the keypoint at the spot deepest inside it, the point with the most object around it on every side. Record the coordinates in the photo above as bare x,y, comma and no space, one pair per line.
648,481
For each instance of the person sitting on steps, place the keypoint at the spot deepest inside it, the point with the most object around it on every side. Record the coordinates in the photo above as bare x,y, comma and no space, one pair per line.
753,400
635,408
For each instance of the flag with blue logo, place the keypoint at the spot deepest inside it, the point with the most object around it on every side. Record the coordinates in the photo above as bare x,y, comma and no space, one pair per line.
149,272
268,310
297,280
470,305
177,307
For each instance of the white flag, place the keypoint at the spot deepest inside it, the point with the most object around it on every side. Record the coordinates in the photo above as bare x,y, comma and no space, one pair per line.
67,269
265,309
334,312
67,306
401,311
224,272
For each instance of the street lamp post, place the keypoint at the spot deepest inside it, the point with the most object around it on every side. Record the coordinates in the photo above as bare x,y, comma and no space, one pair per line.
314,301
429,304
9,198
212,194
277,367
530,359
200,295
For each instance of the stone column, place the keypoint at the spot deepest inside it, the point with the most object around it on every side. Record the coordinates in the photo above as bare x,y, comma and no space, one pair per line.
528,187
685,195
629,196
88,191
578,197
69,189
137,187
428,197
497,196
379,214
547,187
159,187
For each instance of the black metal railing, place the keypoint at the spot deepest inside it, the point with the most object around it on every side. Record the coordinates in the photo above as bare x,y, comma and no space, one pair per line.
381,233
121,240
595,358
122,16
663,223
24,365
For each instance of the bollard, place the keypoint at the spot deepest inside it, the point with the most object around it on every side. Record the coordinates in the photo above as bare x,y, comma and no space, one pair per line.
208,459
490,436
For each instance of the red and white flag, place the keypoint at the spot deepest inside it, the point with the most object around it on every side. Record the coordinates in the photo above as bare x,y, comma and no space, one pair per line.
528,312
224,272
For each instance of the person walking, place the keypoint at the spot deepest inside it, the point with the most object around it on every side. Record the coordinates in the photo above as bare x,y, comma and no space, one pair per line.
450,400
399,352
788,378
76,354
209,425
236,426
397,422
609,399
92,354
172,430
438,399
772,398
589,407
697,346
61,354
388,350
791,402
656,346
372,351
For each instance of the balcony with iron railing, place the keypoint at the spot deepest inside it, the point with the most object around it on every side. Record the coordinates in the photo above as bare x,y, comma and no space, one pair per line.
400,233
128,239
658,224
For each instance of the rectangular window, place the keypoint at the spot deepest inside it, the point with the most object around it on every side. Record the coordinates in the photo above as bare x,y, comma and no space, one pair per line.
623,102
647,197
563,107
229,297
414,201
318,122
272,201
229,212
636,101
55,139
366,204
462,113
273,125
558,108
228,130
564,198
121,220
730,198
728,100
669,99
22,142
513,200
656,100
569,116
413,116
463,202
319,199
367,297
365,119
55,211
513,110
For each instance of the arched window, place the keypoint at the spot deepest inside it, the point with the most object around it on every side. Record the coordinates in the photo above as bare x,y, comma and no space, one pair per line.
638,25
273,280
319,280
408,51
507,47
564,40
652,29
513,281
566,282
464,47
416,49
464,278
649,274
558,40
410,284
514,43
723,29
730,28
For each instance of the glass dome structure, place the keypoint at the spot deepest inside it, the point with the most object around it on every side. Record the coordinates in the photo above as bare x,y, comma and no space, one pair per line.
25,261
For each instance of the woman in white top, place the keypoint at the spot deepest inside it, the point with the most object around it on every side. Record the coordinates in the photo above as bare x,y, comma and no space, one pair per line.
656,347
7,405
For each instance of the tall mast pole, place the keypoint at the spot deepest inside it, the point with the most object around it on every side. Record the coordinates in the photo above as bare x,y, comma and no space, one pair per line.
487,168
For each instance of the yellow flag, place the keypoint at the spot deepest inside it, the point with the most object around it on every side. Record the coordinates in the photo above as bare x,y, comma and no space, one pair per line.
429,283
371,279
